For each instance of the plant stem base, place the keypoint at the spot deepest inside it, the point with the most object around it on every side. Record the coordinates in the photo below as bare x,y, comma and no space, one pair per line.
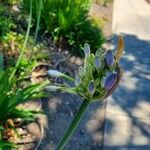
74,124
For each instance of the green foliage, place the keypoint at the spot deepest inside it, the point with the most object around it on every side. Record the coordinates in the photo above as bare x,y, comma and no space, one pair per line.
6,145
13,1
12,95
67,22
1,62
5,21
13,89
12,44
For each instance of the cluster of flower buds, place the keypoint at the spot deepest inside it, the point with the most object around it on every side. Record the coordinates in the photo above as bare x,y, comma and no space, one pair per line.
99,76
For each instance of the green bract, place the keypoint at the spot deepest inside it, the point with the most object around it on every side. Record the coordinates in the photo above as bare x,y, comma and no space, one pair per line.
99,76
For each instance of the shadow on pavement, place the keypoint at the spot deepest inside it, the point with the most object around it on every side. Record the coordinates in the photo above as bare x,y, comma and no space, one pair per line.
132,98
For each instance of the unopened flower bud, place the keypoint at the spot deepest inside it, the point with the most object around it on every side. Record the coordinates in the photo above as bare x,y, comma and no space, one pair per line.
110,58
87,50
52,88
110,81
91,87
54,73
97,62
81,71
77,80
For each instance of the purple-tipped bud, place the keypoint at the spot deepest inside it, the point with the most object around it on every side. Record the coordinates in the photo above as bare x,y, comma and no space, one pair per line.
110,81
87,50
110,58
91,87
97,62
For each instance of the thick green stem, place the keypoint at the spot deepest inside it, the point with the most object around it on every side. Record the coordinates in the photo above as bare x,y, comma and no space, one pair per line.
73,125
68,77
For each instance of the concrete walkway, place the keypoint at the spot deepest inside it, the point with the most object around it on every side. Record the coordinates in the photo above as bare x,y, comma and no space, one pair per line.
127,125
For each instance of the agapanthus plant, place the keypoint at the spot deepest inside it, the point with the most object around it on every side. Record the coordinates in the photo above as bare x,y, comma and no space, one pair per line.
95,81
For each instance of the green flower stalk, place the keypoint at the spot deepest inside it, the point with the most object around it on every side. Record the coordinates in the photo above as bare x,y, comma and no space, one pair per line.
95,81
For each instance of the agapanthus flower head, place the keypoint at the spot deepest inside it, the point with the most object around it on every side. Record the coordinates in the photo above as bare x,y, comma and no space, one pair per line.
103,66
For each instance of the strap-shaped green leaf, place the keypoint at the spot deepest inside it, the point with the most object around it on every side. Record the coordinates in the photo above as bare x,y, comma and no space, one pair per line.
5,145
1,61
